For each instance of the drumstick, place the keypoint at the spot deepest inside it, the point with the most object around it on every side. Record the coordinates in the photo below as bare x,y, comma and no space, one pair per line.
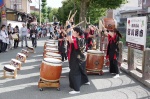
102,24
69,14
73,15
78,24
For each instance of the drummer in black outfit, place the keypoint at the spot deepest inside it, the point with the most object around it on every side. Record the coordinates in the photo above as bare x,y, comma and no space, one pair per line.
62,45
77,74
33,36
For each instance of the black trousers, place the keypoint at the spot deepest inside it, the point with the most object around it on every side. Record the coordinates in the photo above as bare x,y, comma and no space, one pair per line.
16,42
51,35
63,56
34,42
3,47
114,66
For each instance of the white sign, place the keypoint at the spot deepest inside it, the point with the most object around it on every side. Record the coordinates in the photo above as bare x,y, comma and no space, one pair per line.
136,32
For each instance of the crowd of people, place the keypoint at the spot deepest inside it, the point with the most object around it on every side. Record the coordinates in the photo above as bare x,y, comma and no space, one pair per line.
11,37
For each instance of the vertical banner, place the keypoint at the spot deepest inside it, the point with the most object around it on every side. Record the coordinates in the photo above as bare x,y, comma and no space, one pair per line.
136,32
1,3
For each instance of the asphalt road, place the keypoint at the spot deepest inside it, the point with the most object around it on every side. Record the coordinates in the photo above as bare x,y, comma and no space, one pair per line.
102,87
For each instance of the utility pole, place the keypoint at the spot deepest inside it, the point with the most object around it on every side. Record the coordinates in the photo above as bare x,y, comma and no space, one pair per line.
40,10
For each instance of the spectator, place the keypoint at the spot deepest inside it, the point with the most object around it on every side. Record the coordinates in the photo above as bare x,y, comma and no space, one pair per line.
4,37
24,32
51,29
33,36
10,37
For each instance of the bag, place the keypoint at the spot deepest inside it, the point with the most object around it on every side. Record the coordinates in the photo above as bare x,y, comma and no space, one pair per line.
33,35
81,50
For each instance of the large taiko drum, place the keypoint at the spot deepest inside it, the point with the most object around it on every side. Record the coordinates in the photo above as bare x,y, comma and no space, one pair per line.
51,69
50,46
52,55
95,60
49,42
110,23
53,50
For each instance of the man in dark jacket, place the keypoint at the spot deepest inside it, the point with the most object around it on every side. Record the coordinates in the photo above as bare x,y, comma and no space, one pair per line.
33,36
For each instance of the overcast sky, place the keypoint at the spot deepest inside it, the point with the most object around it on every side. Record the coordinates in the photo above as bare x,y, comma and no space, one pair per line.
57,3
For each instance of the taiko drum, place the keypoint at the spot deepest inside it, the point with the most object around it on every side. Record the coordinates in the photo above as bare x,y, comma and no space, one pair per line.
51,69
95,60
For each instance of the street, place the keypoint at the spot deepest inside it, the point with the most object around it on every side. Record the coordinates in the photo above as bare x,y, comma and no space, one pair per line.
101,87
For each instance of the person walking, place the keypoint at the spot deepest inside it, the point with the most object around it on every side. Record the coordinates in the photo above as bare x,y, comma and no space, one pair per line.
33,36
51,29
24,32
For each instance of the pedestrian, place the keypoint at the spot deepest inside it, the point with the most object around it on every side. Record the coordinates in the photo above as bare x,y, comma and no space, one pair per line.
10,37
62,45
24,32
33,36
51,29
113,50
5,39
77,74
16,39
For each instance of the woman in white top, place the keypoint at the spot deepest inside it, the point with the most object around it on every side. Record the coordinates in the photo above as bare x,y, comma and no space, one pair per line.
4,37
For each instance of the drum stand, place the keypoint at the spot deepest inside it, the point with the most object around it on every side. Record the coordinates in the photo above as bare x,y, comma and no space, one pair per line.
43,83
94,72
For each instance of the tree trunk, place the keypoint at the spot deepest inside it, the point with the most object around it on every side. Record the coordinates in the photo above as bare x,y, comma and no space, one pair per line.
83,11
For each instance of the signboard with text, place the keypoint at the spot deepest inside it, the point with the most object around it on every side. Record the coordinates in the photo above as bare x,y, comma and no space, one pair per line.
136,32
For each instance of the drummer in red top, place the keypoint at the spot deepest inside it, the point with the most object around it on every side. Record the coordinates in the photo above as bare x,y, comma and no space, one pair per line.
77,74
113,50
90,37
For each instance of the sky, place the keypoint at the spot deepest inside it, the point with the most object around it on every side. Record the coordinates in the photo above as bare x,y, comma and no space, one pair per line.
57,3
50,3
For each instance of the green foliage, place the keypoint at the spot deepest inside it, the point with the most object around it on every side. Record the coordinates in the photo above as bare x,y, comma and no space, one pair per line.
44,9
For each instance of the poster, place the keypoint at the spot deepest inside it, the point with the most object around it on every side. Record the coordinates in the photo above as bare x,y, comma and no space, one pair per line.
1,3
136,32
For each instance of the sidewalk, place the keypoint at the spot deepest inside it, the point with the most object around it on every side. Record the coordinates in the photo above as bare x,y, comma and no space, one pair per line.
102,87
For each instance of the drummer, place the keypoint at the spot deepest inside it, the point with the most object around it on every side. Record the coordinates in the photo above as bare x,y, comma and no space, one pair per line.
77,74
62,45
112,50
90,37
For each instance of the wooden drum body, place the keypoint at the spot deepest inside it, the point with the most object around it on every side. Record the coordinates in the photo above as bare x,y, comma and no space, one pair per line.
95,61
50,73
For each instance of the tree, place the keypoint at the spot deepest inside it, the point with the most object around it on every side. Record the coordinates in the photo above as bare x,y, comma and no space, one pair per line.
107,4
48,13
44,9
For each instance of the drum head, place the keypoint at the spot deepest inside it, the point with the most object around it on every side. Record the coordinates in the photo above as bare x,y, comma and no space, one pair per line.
55,55
52,60
15,60
95,52
21,54
51,45
52,49
49,53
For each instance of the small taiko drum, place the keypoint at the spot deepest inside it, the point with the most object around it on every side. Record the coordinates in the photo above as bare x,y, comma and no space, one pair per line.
21,57
51,69
95,61
109,23
16,63
52,55
25,52
50,46
31,49
10,68
53,50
